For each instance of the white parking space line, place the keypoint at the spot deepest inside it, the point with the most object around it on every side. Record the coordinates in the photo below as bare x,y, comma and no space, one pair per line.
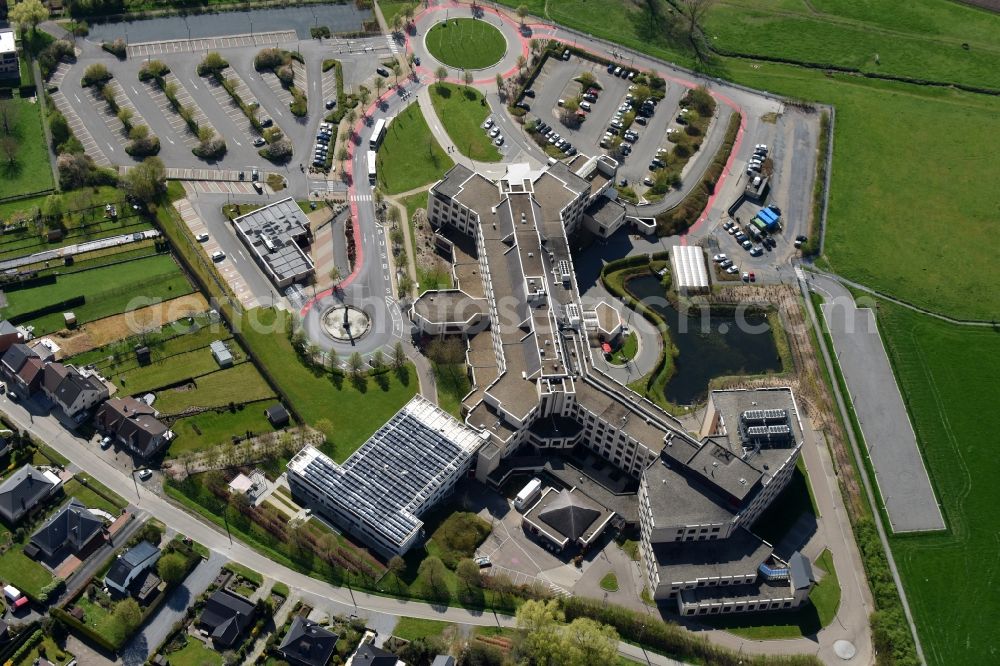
83,135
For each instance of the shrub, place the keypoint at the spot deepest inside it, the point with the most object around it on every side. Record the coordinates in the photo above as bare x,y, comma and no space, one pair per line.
154,69
701,100
319,32
116,48
213,63
269,59
298,106
459,536
279,151
213,148
95,73
285,75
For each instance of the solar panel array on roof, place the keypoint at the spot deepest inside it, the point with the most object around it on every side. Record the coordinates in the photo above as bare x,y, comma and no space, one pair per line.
387,482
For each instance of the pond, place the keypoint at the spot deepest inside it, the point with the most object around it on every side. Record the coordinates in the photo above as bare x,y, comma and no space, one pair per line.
339,18
709,346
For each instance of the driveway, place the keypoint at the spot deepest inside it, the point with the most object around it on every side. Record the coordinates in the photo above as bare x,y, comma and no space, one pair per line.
172,611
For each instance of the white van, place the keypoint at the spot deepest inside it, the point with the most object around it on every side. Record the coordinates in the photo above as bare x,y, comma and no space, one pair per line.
528,494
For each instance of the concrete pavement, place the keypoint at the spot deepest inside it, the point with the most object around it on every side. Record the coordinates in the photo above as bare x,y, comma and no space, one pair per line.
900,473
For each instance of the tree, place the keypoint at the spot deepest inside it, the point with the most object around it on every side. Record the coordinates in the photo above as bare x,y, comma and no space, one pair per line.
212,63
356,364
364,96
522,11
378,359
147,180
397,69
446,351
694,11
28,13
379,85
397,23
128,614
396,566
467,77
334,274
432,570
522,62
10,148
587,79
95,73
441,73
398,355
171,568
8,115
539,622
468,572
125,115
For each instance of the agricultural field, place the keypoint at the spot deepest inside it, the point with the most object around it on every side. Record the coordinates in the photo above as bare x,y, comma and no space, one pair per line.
921,39
108,289
26,168
946,374
462,111
410,157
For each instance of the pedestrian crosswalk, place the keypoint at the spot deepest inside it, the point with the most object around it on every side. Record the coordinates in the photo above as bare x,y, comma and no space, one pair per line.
393,45
359,196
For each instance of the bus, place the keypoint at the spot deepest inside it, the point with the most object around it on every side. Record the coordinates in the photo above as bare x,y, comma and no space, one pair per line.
371,167
378,133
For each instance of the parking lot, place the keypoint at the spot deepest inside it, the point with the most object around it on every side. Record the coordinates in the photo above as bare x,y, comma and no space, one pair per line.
557,81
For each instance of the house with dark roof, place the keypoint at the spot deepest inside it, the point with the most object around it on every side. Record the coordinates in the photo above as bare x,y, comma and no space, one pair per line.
24,491
369,655
68,532
9,335
130,565
72,390
307,643
21,369
227,616
133,424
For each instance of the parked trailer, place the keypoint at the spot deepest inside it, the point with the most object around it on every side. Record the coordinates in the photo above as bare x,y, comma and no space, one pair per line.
528,494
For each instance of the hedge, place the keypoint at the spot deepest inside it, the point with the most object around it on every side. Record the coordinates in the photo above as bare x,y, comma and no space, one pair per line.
83,629
26,647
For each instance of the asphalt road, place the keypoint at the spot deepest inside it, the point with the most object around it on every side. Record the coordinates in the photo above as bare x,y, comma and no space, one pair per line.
891,443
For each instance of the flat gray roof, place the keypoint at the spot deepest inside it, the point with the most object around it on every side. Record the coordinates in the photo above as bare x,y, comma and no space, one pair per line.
273,233
687,561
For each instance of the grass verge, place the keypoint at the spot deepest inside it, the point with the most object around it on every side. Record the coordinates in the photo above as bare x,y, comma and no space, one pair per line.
410,157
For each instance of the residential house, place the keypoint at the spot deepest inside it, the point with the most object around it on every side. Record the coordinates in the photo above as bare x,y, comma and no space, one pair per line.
69,532
369,655
307,643
24,491
130,565
72,390
227,616
10,66
133,424
21,369
9,336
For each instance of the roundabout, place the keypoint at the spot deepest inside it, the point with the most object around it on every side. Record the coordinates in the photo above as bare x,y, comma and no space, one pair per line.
345,323
465,43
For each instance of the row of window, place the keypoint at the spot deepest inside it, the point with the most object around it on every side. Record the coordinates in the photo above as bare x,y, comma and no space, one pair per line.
738,608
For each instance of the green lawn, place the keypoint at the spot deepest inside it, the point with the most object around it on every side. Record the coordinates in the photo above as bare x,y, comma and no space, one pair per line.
108,290
253,576
202,431
628,350
238,384
195,654
609,582
174,369
462,110
349,411
466,43
18,569
806,621
412,628
410,157
921,39
30,170
452,385
52,653
947,377
390,9
106,500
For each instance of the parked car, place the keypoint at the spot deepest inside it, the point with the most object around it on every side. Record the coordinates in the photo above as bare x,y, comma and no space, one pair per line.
647,181
529,93
201,238
330,103
266,122
106,442
258,141
585,106
732,270
746,276
719,258
382,71
218,255
495,132
482,562
488,123
747,245
640,120
725,263
499,140
756,251
145,474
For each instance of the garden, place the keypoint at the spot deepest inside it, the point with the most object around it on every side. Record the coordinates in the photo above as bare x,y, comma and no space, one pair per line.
462,111
24,158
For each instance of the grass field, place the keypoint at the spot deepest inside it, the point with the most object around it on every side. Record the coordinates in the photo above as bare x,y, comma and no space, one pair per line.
390,9
412,628
466,43
462,110
947,377
20,570
348,412
196,433
195,653
238,384
106,501
410,157
108,290
30,170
